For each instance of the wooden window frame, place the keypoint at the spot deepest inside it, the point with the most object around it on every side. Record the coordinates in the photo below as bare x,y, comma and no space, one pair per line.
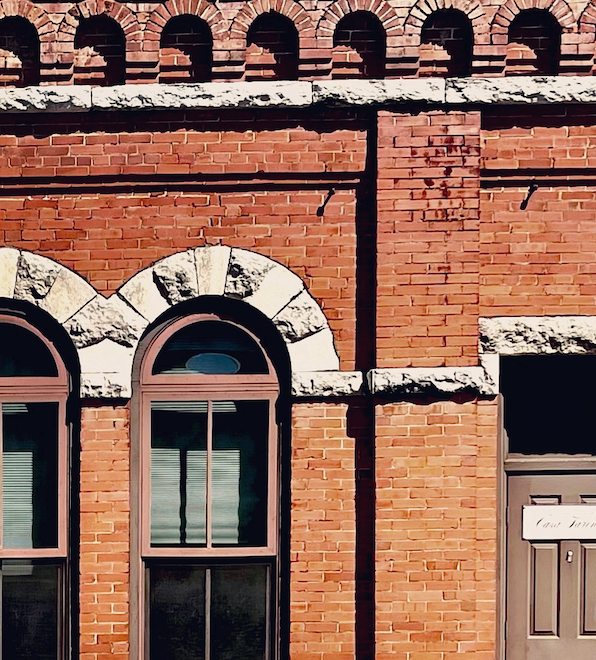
207,388
55,390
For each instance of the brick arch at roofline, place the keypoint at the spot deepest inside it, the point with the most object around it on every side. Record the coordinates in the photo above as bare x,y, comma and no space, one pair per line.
339,9
106,331
288,8
422,10
510,9
587,20
125,18
201,9
37,17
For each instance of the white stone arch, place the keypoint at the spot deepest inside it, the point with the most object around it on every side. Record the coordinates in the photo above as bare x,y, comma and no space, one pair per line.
106,331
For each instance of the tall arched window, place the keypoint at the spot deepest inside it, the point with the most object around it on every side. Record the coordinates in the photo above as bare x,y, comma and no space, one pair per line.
34,494
208,493
534,43
446,44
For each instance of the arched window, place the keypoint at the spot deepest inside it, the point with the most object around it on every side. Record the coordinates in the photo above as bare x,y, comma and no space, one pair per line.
208,492
534,43
446,43
19,52
359,47
185,50
34,494
101,52
272,48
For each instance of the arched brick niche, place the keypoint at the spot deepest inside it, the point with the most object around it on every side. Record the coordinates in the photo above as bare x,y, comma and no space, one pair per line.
533,44
384,15
96,39
19,52
100,52
27,33
187,41
441,37
255,32
531,40
272,48
359,47
446,44
106,331
185,50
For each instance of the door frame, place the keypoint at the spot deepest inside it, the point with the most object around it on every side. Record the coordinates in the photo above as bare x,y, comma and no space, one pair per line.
516,464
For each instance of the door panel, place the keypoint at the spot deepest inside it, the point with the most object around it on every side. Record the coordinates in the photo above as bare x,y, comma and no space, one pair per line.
551,585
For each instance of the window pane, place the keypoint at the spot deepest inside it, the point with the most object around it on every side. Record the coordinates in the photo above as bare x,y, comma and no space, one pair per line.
23,354
239,613
30,475
178,472
239,476
177,613
210,347
30,610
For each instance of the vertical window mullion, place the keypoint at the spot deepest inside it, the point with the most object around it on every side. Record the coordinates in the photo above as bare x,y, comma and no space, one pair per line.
209,470
207,614
1,490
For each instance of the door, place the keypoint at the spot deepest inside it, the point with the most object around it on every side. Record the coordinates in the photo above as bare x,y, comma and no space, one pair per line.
551,583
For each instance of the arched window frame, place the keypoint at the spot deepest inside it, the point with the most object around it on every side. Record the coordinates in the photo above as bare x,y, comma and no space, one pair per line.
57,390
210,388
42,389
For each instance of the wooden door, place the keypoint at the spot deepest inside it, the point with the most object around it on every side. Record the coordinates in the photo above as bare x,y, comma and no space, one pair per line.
551,584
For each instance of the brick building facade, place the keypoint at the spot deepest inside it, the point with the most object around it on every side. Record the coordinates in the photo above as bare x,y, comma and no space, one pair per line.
395,204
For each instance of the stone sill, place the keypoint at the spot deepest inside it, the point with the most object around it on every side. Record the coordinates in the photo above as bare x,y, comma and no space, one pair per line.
521,90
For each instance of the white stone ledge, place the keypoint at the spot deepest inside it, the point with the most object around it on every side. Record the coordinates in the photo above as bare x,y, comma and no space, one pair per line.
276,94
59,98
431,381
327,383
515,90
538,335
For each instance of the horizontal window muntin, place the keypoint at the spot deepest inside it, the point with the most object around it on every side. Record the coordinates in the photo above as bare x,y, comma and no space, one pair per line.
203,446
33,475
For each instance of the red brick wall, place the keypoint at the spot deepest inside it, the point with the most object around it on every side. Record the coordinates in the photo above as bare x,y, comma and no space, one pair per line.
428,224
108,237
105,534
323,538
539,260
436,531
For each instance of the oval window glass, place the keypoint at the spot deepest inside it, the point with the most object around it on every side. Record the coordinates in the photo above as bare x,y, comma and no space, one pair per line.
210,347
24,354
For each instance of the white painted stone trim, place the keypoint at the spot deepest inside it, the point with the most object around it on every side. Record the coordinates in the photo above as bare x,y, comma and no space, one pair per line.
431,381
327,383
538,335
514,90
106,331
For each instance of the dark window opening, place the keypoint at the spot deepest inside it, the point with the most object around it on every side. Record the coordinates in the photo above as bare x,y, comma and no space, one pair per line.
272,48
101,52
446,44
534,44
186,49
359,47
549,403
24,354
19,52
218,612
